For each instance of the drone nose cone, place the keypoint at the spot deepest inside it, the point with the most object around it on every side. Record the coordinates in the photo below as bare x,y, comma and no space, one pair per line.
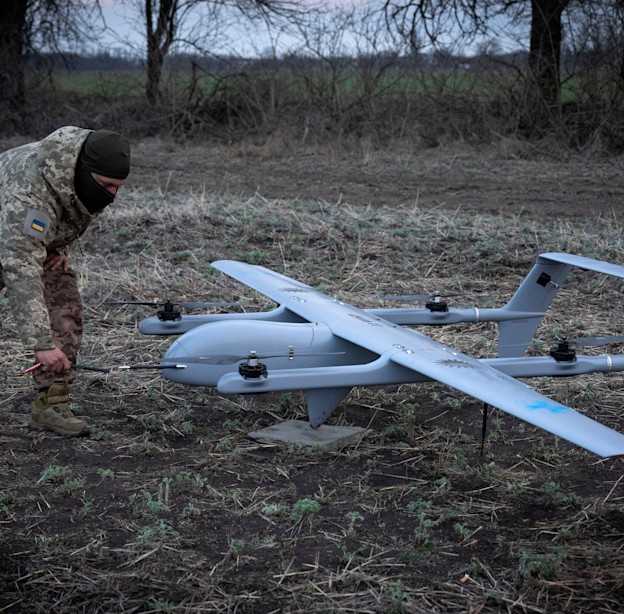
176,349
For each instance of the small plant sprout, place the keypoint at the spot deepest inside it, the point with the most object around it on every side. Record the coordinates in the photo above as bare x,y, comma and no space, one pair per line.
554,496
271,509
302,510
106,474
156,534
442,485
236,547
54,474
87,508
71,486
304,507
191,512
542,565
353,518
143,503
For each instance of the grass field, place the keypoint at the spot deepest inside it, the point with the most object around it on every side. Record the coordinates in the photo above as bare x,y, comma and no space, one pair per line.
169,507
344,81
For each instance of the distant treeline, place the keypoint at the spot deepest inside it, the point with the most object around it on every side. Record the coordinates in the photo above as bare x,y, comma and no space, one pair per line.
423,99
437,60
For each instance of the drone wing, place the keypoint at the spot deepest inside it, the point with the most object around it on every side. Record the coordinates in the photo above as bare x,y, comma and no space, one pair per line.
424,355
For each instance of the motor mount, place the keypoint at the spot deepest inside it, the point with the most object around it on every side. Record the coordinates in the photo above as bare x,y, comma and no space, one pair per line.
563,352
168,313
437,303
253,368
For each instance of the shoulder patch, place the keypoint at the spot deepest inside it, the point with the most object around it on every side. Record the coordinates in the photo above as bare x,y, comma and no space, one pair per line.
37,224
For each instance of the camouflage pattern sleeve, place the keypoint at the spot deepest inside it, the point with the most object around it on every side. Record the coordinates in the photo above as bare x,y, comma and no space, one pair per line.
39,213
24,225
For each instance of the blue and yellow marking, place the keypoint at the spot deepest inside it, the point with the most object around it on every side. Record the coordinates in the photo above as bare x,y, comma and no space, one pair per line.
38,225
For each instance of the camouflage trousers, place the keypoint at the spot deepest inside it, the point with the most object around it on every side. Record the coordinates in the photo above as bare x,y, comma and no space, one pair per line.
65,309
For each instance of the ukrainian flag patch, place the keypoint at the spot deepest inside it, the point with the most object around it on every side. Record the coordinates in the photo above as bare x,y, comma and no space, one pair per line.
37,224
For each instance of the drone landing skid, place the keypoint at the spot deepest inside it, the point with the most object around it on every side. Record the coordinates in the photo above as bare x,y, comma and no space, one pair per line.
322,402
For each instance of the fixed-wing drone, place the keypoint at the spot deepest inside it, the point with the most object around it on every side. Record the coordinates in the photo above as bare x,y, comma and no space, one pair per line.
324,346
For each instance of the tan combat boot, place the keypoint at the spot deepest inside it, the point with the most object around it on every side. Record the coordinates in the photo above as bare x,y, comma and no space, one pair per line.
51,413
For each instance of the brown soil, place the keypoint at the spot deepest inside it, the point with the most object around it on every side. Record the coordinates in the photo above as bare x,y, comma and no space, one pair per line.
497,179
170,507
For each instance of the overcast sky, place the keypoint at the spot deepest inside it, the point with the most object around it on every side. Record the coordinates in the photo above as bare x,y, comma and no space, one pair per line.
126,33
126,30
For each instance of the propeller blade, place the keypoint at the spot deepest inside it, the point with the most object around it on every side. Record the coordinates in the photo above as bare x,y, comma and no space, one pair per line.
407,297
418,297
599,340
38,365
146,303
185,304
223,359
126,367
201,305
228,359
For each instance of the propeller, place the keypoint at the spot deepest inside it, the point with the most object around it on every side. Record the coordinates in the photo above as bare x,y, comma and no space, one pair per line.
418,298
228,359
168,313
599,340
170,304
562,350
434,302
38,366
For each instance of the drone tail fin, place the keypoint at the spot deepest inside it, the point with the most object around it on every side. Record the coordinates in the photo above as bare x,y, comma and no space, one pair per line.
536,293
534,296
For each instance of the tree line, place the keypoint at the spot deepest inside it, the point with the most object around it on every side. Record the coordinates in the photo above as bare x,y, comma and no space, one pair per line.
540,47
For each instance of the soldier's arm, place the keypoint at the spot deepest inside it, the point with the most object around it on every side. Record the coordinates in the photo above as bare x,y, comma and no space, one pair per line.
23,254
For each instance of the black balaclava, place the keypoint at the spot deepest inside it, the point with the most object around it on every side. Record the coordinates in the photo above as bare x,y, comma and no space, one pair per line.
105,153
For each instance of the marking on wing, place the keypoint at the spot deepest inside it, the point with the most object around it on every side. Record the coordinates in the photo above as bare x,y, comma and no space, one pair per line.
455,363
553,408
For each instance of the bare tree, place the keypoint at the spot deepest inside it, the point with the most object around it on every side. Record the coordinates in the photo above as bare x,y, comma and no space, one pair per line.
598,38
12,44
29,27
545,52
161,23
164,21
345,55
468,19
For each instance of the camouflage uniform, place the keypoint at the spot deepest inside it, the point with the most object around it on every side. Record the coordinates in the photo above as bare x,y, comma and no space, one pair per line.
39,215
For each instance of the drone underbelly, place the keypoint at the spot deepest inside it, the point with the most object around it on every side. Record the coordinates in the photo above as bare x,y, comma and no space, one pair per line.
212,350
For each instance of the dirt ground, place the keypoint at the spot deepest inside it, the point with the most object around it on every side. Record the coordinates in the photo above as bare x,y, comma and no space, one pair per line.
508,177
169,507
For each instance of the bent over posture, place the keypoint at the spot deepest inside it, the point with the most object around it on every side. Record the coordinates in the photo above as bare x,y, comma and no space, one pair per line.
50,191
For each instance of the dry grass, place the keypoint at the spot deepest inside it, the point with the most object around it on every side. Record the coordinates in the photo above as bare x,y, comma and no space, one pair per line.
168,507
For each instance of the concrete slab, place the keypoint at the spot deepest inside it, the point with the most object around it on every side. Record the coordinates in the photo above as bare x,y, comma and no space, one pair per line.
330,438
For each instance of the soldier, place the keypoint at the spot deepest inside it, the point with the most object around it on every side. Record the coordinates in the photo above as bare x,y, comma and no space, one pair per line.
50,191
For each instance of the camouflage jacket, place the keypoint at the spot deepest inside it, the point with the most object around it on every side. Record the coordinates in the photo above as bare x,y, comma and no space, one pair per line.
39,213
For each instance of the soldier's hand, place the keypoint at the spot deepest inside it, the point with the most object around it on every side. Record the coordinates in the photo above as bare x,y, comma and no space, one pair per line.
56,262
52,361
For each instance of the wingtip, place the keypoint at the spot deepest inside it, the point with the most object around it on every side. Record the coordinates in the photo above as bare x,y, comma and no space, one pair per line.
614,457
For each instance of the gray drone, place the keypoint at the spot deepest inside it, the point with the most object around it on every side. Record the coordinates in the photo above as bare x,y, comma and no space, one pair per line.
325,347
